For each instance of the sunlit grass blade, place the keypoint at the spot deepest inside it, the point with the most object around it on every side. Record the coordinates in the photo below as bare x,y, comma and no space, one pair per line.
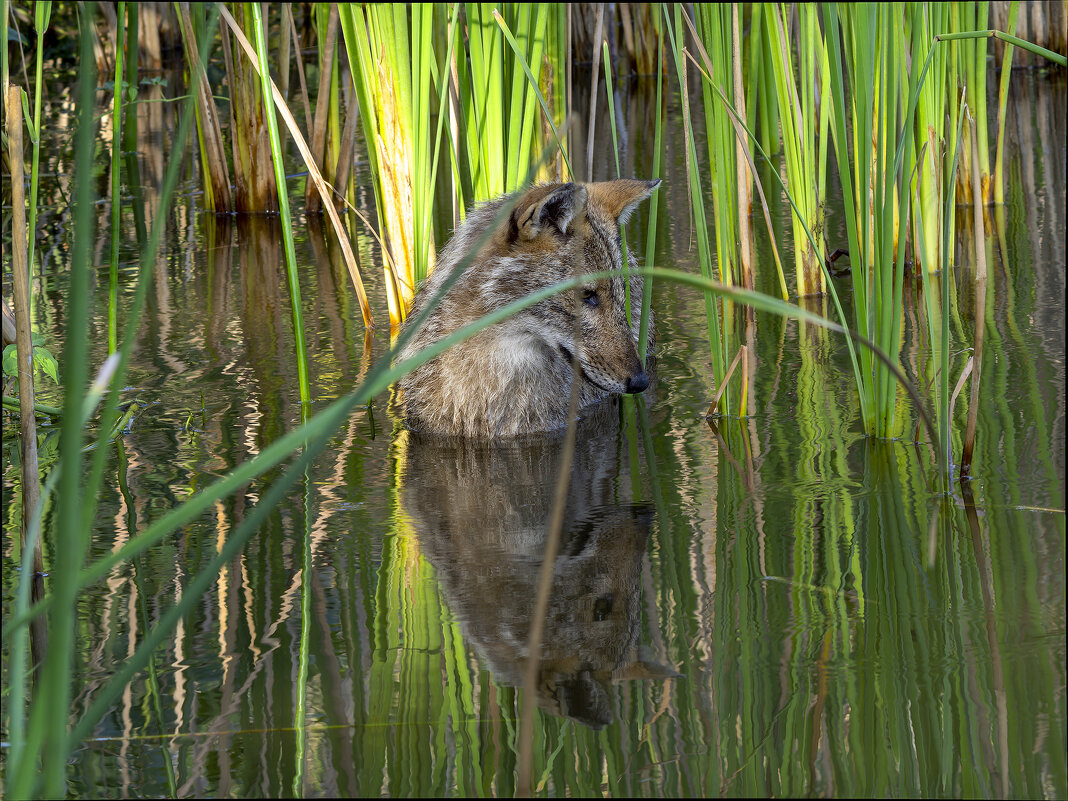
801,115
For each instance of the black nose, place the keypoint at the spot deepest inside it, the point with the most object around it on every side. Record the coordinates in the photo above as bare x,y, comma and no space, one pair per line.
637,383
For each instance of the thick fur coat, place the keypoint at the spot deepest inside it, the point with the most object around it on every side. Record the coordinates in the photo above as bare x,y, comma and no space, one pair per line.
515,376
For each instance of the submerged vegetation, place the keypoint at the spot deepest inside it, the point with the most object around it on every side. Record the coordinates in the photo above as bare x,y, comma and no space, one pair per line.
439,106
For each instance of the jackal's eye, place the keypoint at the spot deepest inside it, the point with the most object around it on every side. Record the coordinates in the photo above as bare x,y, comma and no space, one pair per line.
589,297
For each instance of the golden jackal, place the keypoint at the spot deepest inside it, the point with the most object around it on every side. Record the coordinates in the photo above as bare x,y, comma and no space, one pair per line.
515,377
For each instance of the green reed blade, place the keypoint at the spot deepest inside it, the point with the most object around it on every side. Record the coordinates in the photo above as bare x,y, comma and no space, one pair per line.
615,150
650,235
47,740
42,12
1003,96
704,250
1030,47
116,198
534,87
292,278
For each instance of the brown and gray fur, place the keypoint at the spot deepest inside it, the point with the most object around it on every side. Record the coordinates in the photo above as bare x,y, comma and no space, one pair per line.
481,508
515,377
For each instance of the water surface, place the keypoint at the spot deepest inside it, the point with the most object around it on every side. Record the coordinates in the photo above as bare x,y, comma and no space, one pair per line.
770,606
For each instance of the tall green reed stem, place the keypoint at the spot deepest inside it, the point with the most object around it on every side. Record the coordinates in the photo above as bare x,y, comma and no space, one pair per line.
938,313
116,194
926,21
392,69
292,278
48,736
804,111
712,313
654,201
619,174
42,12
874,61
1003,96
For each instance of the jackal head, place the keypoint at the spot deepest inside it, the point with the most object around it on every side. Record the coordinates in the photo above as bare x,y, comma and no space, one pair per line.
562,231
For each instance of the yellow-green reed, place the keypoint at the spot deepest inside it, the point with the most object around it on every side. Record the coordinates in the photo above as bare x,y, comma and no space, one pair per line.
936,299
615,151
556,143
933,121
713,24
873,60
762,112
392,68
804,111
500,101
1003,97
716,336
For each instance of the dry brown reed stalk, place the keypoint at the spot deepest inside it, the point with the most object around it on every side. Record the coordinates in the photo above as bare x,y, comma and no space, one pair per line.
343,170
217,195
320,183
640,35
287,21
312,202
31,486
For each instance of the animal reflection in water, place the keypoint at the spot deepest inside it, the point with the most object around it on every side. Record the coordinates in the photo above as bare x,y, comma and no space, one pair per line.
481,511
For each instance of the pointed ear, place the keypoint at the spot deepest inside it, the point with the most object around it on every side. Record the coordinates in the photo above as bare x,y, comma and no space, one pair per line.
552,211
619,198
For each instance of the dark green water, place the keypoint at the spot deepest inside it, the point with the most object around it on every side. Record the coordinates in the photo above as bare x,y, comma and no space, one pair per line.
775,606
